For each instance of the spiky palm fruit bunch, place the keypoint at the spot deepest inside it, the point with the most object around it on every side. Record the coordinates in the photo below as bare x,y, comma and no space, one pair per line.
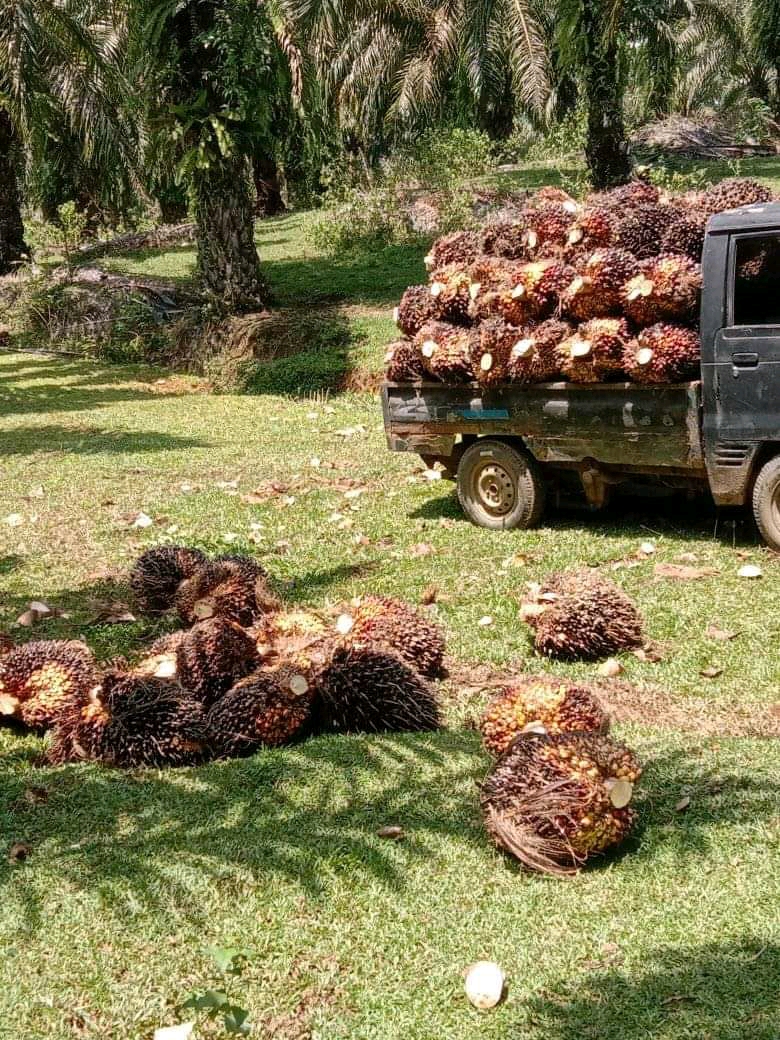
594,228
735,192
508,302
542,284
38,678
460,248
582,616
668,288
641,230
214,655
403,363
540,703
553,802
608,338
635,193
663,353
446,351
370,688
262,710
552,193
684,234
450,290
534,356
158,572
398,625
595,292
491,351
233,588
577,360
159,659
548,224
506,239
489,274
130,721
417,307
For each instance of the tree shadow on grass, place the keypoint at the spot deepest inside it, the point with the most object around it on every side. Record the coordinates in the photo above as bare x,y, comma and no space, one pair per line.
721,991
89,440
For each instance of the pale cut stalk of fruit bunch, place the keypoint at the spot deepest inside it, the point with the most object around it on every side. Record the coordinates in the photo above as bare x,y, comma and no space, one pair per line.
429,261
644,356
203,610
437,289
396,314
523,348
575,235
518,292
429,348
298,685
344,624
389,356
640,287
580,348
486,363
474,290
531,239
485,984
571,206
535,727
620,792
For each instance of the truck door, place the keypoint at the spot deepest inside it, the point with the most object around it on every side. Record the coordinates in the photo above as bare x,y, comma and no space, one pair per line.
747,349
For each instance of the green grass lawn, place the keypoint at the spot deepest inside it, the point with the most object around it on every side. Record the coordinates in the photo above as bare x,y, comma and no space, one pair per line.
131,878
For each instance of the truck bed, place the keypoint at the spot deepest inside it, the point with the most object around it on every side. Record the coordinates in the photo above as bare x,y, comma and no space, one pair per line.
617,424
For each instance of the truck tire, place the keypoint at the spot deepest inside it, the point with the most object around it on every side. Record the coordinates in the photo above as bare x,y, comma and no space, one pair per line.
499,486
766,503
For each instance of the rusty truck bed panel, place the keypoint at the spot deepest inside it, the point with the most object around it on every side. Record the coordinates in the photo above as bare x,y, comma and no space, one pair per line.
615,424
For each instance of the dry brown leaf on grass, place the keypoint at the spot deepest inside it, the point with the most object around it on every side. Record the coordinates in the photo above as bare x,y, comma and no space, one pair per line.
650,653
38,611
394,833
422,549
429,595
683,804
711,673
18,852
679,572
721,634
111,612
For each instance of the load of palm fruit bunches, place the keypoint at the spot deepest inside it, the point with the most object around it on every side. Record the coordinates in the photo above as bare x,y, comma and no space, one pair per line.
607,289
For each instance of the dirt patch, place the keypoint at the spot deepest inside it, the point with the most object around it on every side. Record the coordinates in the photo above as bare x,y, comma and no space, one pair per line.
469,683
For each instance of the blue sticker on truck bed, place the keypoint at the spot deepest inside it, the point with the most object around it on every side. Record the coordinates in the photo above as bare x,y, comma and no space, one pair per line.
480,413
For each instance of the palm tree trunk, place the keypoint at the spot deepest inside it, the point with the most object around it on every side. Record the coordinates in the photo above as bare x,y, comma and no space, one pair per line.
13,249
606,148
228,264
267,186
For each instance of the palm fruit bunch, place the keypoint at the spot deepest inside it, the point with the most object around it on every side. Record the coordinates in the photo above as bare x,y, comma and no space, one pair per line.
667,288
370,688
450,290
594,228
505,239
596,291
231,587
540,704
608,338
582,616
446,351
275,632
213,655
491,352
398,625
534,355
635,193
487,275
542,283
552,193
157,574
553,802
38,678
265,709
130,721
403,363
735,192
159,659
663,353
576,360
547,227
641,230
460,248
684,234
417,307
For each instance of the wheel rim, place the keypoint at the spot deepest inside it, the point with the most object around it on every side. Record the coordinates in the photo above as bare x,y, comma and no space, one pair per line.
774,507
495,490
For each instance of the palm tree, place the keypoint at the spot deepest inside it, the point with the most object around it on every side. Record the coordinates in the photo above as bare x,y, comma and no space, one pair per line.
764,38
58,68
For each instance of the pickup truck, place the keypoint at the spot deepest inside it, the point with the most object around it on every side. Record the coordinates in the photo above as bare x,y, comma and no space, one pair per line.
508,445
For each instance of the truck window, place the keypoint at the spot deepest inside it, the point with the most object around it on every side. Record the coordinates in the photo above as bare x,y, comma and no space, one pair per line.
756,299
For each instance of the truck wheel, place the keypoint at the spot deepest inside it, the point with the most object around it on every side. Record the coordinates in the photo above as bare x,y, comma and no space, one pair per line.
499,486
766,503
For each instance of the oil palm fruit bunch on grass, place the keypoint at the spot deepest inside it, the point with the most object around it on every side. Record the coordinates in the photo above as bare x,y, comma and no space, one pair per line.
38,678
231,587
265,709
450,290
534,355
505,239
158,572
417,307
370,688
735,192
540,703
159,659
684,234
402,627
130,721
580,615
403,363
213,656
663,353
594,228
446,351
553,802
459,248
596,291
668,288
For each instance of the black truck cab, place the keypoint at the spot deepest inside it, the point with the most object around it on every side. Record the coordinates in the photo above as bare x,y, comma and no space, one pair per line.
508,444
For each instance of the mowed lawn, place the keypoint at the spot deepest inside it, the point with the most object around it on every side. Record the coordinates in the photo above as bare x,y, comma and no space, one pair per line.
130,878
